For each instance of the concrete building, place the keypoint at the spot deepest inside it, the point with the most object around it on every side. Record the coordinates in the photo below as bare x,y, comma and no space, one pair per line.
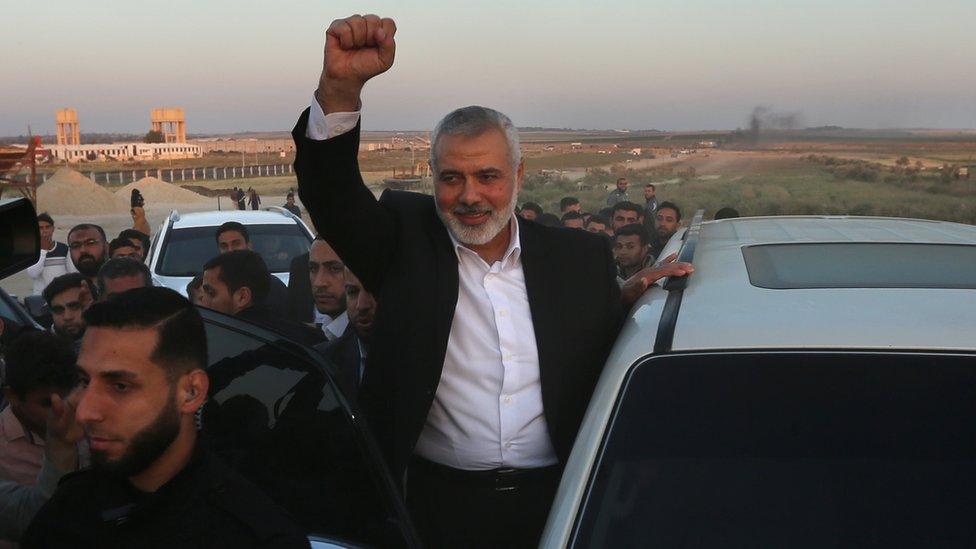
124,151
171,123
249,146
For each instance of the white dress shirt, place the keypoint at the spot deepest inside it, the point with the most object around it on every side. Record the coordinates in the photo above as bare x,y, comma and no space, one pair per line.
333,328
487,410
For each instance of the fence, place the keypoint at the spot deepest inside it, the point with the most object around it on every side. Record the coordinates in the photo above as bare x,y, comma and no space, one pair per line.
182,175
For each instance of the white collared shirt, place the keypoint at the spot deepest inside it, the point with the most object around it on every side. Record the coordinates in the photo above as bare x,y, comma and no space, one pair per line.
333,328
487,411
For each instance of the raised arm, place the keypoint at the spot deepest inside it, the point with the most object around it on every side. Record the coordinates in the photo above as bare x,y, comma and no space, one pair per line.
342,209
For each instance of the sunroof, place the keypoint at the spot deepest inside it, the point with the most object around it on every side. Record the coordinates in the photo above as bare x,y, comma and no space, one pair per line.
861,265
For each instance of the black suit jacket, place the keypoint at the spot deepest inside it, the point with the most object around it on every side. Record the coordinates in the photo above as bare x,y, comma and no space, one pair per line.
402,253
344,354
300,301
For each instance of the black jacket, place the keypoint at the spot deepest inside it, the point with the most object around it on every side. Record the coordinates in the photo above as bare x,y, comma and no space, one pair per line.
402,253
300,302
266,317
344,354
205,505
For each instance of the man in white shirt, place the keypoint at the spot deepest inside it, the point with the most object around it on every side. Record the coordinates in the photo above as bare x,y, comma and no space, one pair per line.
327,274
53,261
492,333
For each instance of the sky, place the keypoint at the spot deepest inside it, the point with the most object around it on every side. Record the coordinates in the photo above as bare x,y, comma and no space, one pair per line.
669,65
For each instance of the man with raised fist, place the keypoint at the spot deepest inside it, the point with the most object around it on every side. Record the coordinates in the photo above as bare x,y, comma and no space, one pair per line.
492,333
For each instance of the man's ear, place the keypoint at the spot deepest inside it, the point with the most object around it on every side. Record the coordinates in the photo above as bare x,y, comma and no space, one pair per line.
242,299
193,388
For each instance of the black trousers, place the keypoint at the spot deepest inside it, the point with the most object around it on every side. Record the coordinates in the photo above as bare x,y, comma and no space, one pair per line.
474,509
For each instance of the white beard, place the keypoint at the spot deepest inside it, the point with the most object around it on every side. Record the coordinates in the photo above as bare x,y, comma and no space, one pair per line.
480,234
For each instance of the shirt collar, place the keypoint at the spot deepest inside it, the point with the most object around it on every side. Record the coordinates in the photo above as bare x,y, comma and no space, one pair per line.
511,255
12,428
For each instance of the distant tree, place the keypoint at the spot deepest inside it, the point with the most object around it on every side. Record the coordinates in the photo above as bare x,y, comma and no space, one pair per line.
903,161
154,136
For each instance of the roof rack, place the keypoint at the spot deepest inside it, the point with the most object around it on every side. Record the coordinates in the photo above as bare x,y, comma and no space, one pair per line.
675,286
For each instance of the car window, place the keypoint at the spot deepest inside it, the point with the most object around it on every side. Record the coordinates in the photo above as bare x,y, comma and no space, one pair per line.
184,251
275,416
788,450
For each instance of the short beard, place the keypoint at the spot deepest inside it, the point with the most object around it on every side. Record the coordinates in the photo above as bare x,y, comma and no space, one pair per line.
146,446
480,234
89,267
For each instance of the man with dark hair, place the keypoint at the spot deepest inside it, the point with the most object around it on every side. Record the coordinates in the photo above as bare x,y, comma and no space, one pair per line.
327,276
291,206
89,249
67,297
37,365
572,219
650,201
232,236
549,220
236,283
123,247
120,274
619,194
53,261
666,223
598,224
626,213
143,380
139,240
348,352
630,247
569,203
531,211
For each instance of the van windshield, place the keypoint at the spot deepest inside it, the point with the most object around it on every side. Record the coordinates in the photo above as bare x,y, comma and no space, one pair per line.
789,450
186,250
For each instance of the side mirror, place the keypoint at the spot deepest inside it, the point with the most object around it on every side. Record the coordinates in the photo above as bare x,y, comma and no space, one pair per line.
20,241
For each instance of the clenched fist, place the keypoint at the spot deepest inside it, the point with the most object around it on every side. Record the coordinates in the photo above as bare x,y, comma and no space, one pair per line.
357,48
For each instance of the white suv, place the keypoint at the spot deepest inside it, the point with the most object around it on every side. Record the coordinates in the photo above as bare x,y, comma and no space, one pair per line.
184,242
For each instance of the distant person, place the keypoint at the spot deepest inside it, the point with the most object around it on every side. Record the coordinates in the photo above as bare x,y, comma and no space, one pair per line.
726,213
88,250
531,211
631,245
619,194
233,236
121,274
626,213
193,289
123,247
241,199
572,219
327,276
139,239
152,484
569,204
37,365
598,224
666,223
67,297
236,284
291,206
53,261
549,220
650,201
349,352
253,199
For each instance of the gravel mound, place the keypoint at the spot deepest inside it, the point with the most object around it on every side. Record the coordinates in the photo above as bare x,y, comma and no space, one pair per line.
157,191
68,192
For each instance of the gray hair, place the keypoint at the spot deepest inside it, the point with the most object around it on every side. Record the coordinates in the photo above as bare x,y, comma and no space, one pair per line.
472,121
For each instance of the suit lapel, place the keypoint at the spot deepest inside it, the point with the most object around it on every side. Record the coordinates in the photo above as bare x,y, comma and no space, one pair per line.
545,311
445,290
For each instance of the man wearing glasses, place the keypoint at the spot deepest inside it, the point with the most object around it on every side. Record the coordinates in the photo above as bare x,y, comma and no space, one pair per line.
89,250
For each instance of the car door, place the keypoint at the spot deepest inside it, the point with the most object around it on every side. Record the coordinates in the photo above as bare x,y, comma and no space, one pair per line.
276,415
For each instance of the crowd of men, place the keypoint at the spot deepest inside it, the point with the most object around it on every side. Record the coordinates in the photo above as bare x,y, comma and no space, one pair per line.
446,319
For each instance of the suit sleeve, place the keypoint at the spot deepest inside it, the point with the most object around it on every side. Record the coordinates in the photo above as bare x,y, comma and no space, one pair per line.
342,209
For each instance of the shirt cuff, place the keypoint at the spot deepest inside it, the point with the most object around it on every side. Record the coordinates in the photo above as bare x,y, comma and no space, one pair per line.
323,126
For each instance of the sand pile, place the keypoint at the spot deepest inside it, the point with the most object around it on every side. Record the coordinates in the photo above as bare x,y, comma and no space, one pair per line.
157,191
68,192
